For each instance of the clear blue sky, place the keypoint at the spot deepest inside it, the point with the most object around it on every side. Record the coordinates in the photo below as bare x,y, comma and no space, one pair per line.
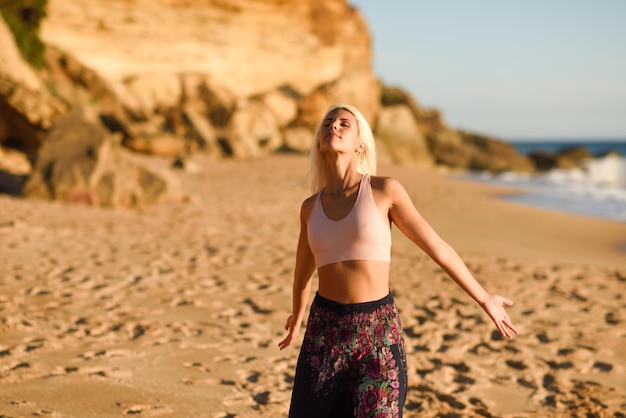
512,69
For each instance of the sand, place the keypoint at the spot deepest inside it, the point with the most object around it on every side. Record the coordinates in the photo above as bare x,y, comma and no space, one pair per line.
176,310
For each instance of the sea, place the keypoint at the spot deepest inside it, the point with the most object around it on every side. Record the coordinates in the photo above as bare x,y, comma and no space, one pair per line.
597,189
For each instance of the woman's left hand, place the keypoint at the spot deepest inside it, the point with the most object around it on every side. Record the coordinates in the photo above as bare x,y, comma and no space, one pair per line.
494,306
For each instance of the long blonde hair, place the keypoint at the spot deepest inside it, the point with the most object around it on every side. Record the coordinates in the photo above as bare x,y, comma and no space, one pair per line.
366,160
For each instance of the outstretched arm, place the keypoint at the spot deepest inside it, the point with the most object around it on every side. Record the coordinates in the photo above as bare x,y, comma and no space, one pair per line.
305,266
414,226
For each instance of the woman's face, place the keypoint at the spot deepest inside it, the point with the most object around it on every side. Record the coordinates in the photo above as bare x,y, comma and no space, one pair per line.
339,133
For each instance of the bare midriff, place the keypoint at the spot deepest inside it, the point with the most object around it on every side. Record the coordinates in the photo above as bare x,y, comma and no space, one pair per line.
354,281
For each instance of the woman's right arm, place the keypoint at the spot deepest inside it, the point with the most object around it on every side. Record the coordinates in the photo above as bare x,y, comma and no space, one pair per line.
305,267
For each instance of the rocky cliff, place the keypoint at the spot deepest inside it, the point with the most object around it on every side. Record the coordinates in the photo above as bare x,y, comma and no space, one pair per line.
236,78
249,47
255,70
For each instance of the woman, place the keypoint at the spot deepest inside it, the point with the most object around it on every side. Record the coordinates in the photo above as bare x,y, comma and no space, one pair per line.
352,362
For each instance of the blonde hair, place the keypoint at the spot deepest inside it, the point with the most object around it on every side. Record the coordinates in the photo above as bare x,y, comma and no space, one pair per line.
366,160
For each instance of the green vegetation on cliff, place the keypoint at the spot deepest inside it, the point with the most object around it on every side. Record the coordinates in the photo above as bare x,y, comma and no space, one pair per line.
24,17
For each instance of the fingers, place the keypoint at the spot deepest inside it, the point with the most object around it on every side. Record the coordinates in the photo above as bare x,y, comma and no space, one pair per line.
285,343
290,336
512,327
505,331
506,328
502,328
506,321
288,323
494,307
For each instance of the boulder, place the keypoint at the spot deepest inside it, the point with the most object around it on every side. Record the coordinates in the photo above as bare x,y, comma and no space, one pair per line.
79,163
282,104
573,157
253,130
203,132
490,154
15,162
358,88
163,145
429,121
25,115
543,160
444,143
400,137
154,92
447,149
298,139
14,170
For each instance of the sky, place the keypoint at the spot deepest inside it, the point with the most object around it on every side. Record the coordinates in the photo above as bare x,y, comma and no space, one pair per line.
533,69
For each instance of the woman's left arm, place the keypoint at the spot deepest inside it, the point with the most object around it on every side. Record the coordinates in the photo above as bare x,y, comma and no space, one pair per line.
408,220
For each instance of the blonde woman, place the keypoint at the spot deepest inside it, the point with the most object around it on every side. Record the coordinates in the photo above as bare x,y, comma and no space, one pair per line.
352,362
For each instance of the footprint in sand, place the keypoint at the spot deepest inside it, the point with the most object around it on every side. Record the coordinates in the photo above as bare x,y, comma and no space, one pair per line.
543,338
516,364
526,383
564,365
611,318
603,367
197,365
148,410
549,383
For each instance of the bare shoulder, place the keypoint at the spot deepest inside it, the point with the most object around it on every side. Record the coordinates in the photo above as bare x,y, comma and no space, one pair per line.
388,192
387,186
307,206
309,201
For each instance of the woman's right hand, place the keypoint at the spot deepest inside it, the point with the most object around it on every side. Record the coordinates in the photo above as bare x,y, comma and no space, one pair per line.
292,334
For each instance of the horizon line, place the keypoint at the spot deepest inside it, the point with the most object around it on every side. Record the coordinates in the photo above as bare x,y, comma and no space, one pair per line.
566,139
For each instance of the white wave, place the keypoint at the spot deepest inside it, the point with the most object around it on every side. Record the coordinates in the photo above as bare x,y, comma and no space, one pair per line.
597,189
610,170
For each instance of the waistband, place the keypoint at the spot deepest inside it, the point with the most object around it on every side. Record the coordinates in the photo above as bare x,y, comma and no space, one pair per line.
348,308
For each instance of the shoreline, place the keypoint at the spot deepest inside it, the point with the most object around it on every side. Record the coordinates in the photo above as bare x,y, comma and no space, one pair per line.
596,189
483,220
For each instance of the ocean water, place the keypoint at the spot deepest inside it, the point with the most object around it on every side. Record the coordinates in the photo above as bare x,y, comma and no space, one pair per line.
596,148
598,189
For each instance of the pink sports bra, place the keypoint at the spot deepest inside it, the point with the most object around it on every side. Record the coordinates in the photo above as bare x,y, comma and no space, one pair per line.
361,235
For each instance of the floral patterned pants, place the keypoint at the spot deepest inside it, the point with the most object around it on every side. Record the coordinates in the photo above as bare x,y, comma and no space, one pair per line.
352,362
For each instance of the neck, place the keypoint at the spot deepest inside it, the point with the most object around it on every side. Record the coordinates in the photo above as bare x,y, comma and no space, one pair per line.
342,178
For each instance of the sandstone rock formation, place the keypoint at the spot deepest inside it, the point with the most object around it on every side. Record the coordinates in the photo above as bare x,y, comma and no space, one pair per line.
248,47
397,129
79,163
453,148
568,158
247,76
26,107
237,79
11,63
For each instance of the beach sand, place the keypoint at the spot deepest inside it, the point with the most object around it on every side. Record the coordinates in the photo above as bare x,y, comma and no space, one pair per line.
176,310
